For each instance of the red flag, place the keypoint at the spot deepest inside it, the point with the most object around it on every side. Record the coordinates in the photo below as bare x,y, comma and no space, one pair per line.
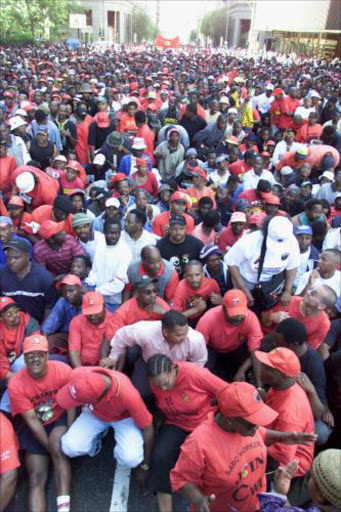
162,42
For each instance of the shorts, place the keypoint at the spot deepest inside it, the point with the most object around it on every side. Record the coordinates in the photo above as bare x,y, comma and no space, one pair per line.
30,443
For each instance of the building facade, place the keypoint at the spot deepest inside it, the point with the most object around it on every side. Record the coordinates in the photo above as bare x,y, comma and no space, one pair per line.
108,20
310,27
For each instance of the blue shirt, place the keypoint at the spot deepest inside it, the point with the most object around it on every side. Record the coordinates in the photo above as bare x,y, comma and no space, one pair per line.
34,293
125,164
60,317
54,135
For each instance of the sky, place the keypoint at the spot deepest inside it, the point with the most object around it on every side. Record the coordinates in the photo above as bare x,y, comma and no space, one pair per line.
179,17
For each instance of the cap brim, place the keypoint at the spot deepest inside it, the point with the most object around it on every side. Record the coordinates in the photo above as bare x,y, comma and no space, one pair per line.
236,311
92,310
264,416
65,400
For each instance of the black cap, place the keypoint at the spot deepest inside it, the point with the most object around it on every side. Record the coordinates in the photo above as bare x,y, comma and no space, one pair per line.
142,281
177,219
64,204
19,245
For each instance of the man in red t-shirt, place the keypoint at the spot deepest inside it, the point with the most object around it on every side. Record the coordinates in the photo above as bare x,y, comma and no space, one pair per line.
32,393
195,292
232,333
310,310
235,229
290,104
179,202
280,369
114,402
9,461
89,332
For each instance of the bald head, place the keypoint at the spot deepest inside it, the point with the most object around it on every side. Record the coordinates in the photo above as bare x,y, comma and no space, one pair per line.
151,260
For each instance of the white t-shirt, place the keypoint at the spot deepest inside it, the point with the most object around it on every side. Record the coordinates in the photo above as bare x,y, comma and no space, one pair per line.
245,254
333,282
217,179
333,239
251,179
263,103
304,112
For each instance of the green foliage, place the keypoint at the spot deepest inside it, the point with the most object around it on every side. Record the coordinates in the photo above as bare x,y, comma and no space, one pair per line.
143,26
193,36
213,25
24,20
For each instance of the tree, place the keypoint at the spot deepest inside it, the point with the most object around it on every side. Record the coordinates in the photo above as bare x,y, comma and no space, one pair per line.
26,19
143,26
213,25
193,36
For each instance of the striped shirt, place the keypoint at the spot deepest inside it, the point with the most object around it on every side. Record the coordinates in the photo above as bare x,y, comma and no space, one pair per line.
57,261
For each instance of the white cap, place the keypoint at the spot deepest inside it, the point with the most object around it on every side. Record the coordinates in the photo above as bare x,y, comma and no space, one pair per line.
232,110
16,122
60,158
314,94
327,174
25,182
112,201
280,232
99,159
139,143
286,170
269,87
21,112
224,100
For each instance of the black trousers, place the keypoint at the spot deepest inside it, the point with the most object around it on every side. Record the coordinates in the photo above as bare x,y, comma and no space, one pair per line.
166,452
226,364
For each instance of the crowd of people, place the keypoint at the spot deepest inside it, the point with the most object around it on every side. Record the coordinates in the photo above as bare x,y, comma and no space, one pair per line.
170,268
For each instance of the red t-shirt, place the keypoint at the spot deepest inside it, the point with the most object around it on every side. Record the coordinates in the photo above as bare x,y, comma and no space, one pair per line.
127,123
26,393
224,337
193,397
294,415
148,136
87,338
130,312
45,191
151,186
8,446
122,401
317,326
184,293
227,239
7,164
44,212
226,464
162,219
289,106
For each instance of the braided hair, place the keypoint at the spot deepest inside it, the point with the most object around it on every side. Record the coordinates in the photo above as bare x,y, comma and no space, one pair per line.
157,364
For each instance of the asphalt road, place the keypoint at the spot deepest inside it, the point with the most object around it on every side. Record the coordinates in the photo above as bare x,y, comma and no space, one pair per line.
92,487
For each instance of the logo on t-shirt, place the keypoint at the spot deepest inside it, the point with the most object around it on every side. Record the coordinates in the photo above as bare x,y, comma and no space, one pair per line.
44,411
185,397
5,455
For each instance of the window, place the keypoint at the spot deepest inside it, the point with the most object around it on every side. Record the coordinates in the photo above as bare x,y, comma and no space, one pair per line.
88,15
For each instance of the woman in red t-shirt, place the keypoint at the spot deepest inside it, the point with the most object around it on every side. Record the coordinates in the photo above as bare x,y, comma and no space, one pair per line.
185,394
144,178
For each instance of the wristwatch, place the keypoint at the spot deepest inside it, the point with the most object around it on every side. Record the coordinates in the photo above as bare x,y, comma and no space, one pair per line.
145,467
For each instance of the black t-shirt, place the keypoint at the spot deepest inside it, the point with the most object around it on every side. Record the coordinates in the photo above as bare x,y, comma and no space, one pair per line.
312,365
180,254
192,127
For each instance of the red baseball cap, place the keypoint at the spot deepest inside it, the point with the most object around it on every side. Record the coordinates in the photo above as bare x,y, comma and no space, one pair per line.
277,92
50,228
16,201
86,386
92,303
69,279
242,400
282,359
6,301
257,219
235,302
199,172
36,343
271,198
181,196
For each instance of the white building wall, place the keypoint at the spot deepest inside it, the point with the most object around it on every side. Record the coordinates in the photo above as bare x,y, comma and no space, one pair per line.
291,15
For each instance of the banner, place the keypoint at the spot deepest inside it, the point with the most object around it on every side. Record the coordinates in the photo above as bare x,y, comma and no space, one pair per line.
162,42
